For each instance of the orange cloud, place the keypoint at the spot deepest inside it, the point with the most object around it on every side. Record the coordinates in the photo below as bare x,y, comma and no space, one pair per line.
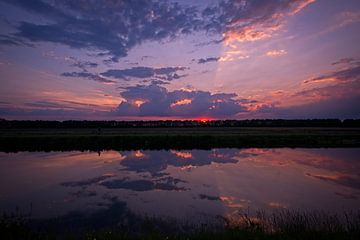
251,33
182,154
244,30
185,101
138,154
300,6
320,80
139,102
229,56
276,53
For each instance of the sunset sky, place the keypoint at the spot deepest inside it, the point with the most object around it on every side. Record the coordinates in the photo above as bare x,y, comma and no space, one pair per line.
146,59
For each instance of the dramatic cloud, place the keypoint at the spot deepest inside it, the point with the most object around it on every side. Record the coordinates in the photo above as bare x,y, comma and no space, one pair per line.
117,27
87,75
350,74
154,100
249,20
142,46
166,73
330,95
121,25
209,59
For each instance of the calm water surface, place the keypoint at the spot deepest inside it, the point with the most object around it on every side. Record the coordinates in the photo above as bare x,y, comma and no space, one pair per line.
189,184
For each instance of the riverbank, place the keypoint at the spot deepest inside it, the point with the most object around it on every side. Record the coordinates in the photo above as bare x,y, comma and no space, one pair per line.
282,224
96,139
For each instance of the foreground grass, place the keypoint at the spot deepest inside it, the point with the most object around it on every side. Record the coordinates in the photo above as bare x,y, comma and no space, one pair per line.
283,224
12,140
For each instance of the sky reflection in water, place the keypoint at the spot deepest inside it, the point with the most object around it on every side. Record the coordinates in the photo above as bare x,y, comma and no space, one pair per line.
187,184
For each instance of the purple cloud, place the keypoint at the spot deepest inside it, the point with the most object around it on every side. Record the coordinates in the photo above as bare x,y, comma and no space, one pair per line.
349,74
339,98
121,25
165,73
87,75
209,59
154,100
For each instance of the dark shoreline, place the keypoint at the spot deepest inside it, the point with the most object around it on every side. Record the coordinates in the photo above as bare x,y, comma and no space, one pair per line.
95,139
281,224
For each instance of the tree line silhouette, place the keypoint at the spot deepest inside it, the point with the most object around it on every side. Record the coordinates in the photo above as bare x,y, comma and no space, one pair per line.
5,124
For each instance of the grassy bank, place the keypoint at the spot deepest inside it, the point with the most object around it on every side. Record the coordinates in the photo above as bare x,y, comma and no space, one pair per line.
284,224
174,138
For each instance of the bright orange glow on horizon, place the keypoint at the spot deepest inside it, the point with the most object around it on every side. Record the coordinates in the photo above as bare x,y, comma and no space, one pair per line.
204,120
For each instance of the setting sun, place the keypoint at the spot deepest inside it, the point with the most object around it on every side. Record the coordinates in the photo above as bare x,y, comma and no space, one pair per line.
203,120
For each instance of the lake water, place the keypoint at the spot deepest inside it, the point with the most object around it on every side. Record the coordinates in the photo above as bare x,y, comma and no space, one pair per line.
187,184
